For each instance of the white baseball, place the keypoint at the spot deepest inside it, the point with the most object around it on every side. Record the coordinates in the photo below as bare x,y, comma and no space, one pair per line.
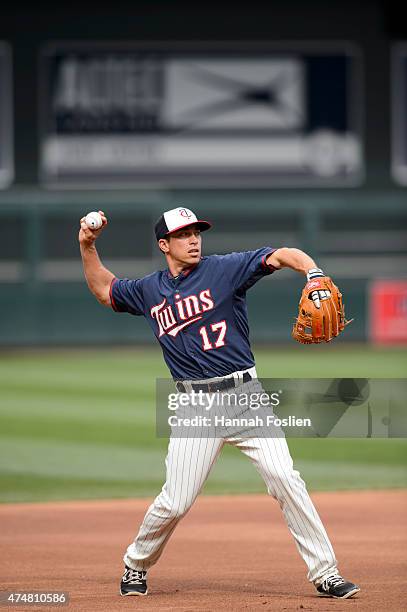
93,220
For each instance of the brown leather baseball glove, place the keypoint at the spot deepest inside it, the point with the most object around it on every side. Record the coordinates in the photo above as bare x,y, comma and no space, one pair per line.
319,324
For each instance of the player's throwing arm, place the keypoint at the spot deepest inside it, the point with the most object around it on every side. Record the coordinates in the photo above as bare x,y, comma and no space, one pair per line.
97,276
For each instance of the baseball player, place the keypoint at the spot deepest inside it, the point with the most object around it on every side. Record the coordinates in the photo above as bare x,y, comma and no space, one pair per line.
196,308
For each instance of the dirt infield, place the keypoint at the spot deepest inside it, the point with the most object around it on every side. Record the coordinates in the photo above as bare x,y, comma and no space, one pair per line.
233,553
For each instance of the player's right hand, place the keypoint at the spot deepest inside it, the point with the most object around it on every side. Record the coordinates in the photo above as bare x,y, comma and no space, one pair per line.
88,236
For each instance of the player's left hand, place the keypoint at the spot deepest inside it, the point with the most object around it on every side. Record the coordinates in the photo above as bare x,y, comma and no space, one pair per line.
320,295
321,315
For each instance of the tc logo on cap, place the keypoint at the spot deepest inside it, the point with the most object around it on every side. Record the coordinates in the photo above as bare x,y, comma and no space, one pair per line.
184,212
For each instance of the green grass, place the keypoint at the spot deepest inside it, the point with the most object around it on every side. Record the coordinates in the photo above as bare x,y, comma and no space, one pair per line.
79,424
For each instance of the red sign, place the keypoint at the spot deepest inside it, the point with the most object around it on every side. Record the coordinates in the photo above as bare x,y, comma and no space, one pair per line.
388,311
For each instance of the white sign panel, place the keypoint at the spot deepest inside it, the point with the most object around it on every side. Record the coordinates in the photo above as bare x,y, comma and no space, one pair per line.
121,115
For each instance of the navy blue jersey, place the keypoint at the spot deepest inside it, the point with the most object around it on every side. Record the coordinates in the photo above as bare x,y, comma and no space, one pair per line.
200,317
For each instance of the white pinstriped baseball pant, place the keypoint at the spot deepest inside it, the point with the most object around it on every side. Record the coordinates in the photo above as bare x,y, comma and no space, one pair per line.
188,464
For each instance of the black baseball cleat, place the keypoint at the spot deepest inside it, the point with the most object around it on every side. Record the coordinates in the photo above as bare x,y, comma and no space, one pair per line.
134,582
336,586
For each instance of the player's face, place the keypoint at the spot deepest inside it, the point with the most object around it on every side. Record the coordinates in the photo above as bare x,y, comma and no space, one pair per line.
185,245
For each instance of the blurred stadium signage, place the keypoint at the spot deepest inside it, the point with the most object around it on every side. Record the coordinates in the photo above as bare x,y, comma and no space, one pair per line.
399,113
388,311
6,118
122,114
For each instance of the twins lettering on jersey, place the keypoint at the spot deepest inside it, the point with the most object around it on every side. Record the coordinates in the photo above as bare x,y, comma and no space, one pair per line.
189,310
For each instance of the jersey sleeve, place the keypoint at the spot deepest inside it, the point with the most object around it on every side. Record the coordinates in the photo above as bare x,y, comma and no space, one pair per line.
127,296
244,269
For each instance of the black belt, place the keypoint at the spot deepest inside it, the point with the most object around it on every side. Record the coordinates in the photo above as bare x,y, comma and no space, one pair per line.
221,385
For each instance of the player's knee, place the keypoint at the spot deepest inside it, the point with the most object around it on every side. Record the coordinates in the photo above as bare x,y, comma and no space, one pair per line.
172,508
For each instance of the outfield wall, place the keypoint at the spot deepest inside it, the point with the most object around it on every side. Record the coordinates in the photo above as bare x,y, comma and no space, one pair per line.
45,300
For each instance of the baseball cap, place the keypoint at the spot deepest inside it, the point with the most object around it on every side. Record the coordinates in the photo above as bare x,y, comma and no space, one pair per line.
176,219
